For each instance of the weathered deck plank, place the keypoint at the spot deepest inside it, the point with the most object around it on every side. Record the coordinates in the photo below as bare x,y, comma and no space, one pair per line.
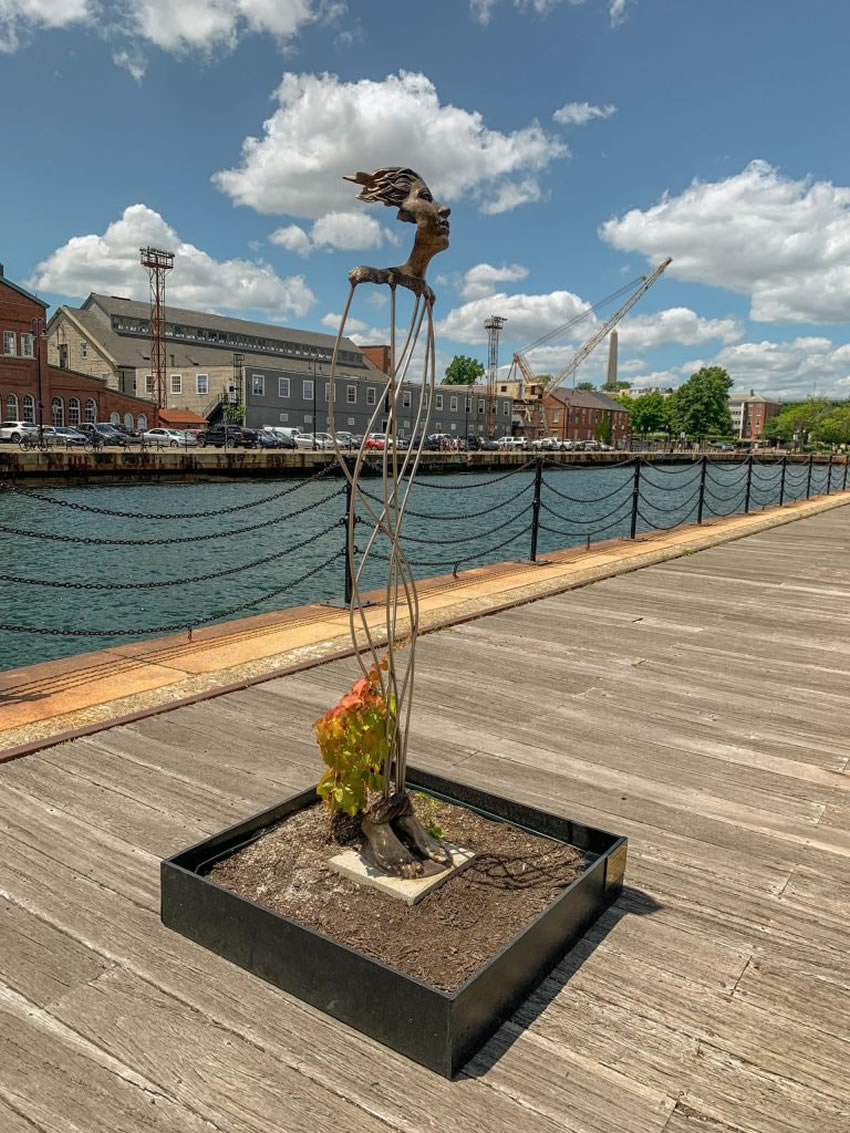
701,707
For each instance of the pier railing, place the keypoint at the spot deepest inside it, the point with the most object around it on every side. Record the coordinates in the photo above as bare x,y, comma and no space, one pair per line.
452,523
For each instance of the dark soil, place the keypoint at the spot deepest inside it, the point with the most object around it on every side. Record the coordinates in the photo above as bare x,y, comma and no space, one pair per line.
444,939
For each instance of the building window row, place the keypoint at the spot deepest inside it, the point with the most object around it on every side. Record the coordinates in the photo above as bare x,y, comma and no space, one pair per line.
126,325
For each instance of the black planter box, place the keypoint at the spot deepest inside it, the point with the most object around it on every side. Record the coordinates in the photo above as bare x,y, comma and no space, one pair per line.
439,1029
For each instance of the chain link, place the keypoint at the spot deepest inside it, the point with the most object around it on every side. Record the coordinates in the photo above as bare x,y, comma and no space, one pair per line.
460,516
587,499
90,540
73,505
106,586
596,519
173,627
477,483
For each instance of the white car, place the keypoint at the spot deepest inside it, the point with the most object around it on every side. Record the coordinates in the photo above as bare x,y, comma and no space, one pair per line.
14,430
168,438
312,441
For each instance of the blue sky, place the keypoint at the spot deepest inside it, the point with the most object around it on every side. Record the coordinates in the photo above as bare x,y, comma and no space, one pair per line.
576,142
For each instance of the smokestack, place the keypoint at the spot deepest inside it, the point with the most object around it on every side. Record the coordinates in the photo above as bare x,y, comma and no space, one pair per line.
611,381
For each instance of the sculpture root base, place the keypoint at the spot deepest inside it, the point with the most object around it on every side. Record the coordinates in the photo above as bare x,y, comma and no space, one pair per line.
390,827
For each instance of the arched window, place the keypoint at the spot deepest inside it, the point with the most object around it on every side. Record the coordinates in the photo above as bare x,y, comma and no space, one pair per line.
57,408
12,407
128,421
29,409
73,411
143,423
114,418
91,411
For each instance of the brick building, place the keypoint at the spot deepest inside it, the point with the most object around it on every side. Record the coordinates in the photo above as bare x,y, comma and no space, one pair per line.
750,413
585,415
28,381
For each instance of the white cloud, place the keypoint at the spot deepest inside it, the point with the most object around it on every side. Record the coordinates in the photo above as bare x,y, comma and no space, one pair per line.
324,128
110,262
481,280
794,369
293,238
482,9
207,24
20,18
675,325
190,25
618,10
352,325
345,231
580,113
529,316
348,231
784,243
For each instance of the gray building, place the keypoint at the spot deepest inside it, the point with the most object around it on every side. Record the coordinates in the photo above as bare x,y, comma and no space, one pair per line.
293,398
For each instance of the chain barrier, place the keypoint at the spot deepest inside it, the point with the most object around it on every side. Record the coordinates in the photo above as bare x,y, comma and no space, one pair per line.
173,627
662,510
584,534
589,499
724,498
689,467
89,509
463,559
574,519
655,527
173,540
108,586
467,538
460,516
478,483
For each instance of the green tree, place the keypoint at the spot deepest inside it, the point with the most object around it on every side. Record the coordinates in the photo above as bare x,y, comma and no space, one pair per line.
649,414
834,427
463,371
585,385
699,407
801,419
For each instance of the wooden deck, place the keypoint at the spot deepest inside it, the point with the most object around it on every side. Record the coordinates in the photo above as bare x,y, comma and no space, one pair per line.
700,706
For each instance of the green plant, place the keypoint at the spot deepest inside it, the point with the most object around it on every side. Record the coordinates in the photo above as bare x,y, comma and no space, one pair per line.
430,807
352,738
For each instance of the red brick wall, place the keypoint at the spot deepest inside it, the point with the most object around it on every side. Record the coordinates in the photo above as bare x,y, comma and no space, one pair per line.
379,356
19,376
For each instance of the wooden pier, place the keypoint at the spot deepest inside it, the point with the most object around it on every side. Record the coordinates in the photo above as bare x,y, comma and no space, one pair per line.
699,706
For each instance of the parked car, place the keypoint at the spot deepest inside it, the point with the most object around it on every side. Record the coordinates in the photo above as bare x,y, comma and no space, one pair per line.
266,439
345,440
313,441
69,435
284,437
232,436
168,438
14,430
104,432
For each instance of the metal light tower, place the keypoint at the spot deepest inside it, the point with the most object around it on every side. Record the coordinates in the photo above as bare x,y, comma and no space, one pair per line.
493,326
157,263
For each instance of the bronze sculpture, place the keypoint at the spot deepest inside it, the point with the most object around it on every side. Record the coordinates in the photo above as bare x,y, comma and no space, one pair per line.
397,840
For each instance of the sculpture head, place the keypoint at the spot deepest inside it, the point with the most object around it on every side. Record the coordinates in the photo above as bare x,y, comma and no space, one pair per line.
406,190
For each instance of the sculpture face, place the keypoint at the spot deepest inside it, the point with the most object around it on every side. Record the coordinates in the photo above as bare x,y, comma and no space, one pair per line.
430,217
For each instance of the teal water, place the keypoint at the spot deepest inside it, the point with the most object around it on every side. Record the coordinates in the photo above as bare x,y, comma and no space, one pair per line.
462,520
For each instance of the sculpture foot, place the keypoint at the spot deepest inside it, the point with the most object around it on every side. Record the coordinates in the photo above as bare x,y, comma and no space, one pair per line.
425,844
388,852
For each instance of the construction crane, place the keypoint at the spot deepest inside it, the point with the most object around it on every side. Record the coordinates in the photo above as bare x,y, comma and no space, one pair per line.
520,360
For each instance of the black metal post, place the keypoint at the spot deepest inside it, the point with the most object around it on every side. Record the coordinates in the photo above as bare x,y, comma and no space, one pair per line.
844,483
782,480
535,507
635,499
809,478
349,506
829,476
701,503
749,485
